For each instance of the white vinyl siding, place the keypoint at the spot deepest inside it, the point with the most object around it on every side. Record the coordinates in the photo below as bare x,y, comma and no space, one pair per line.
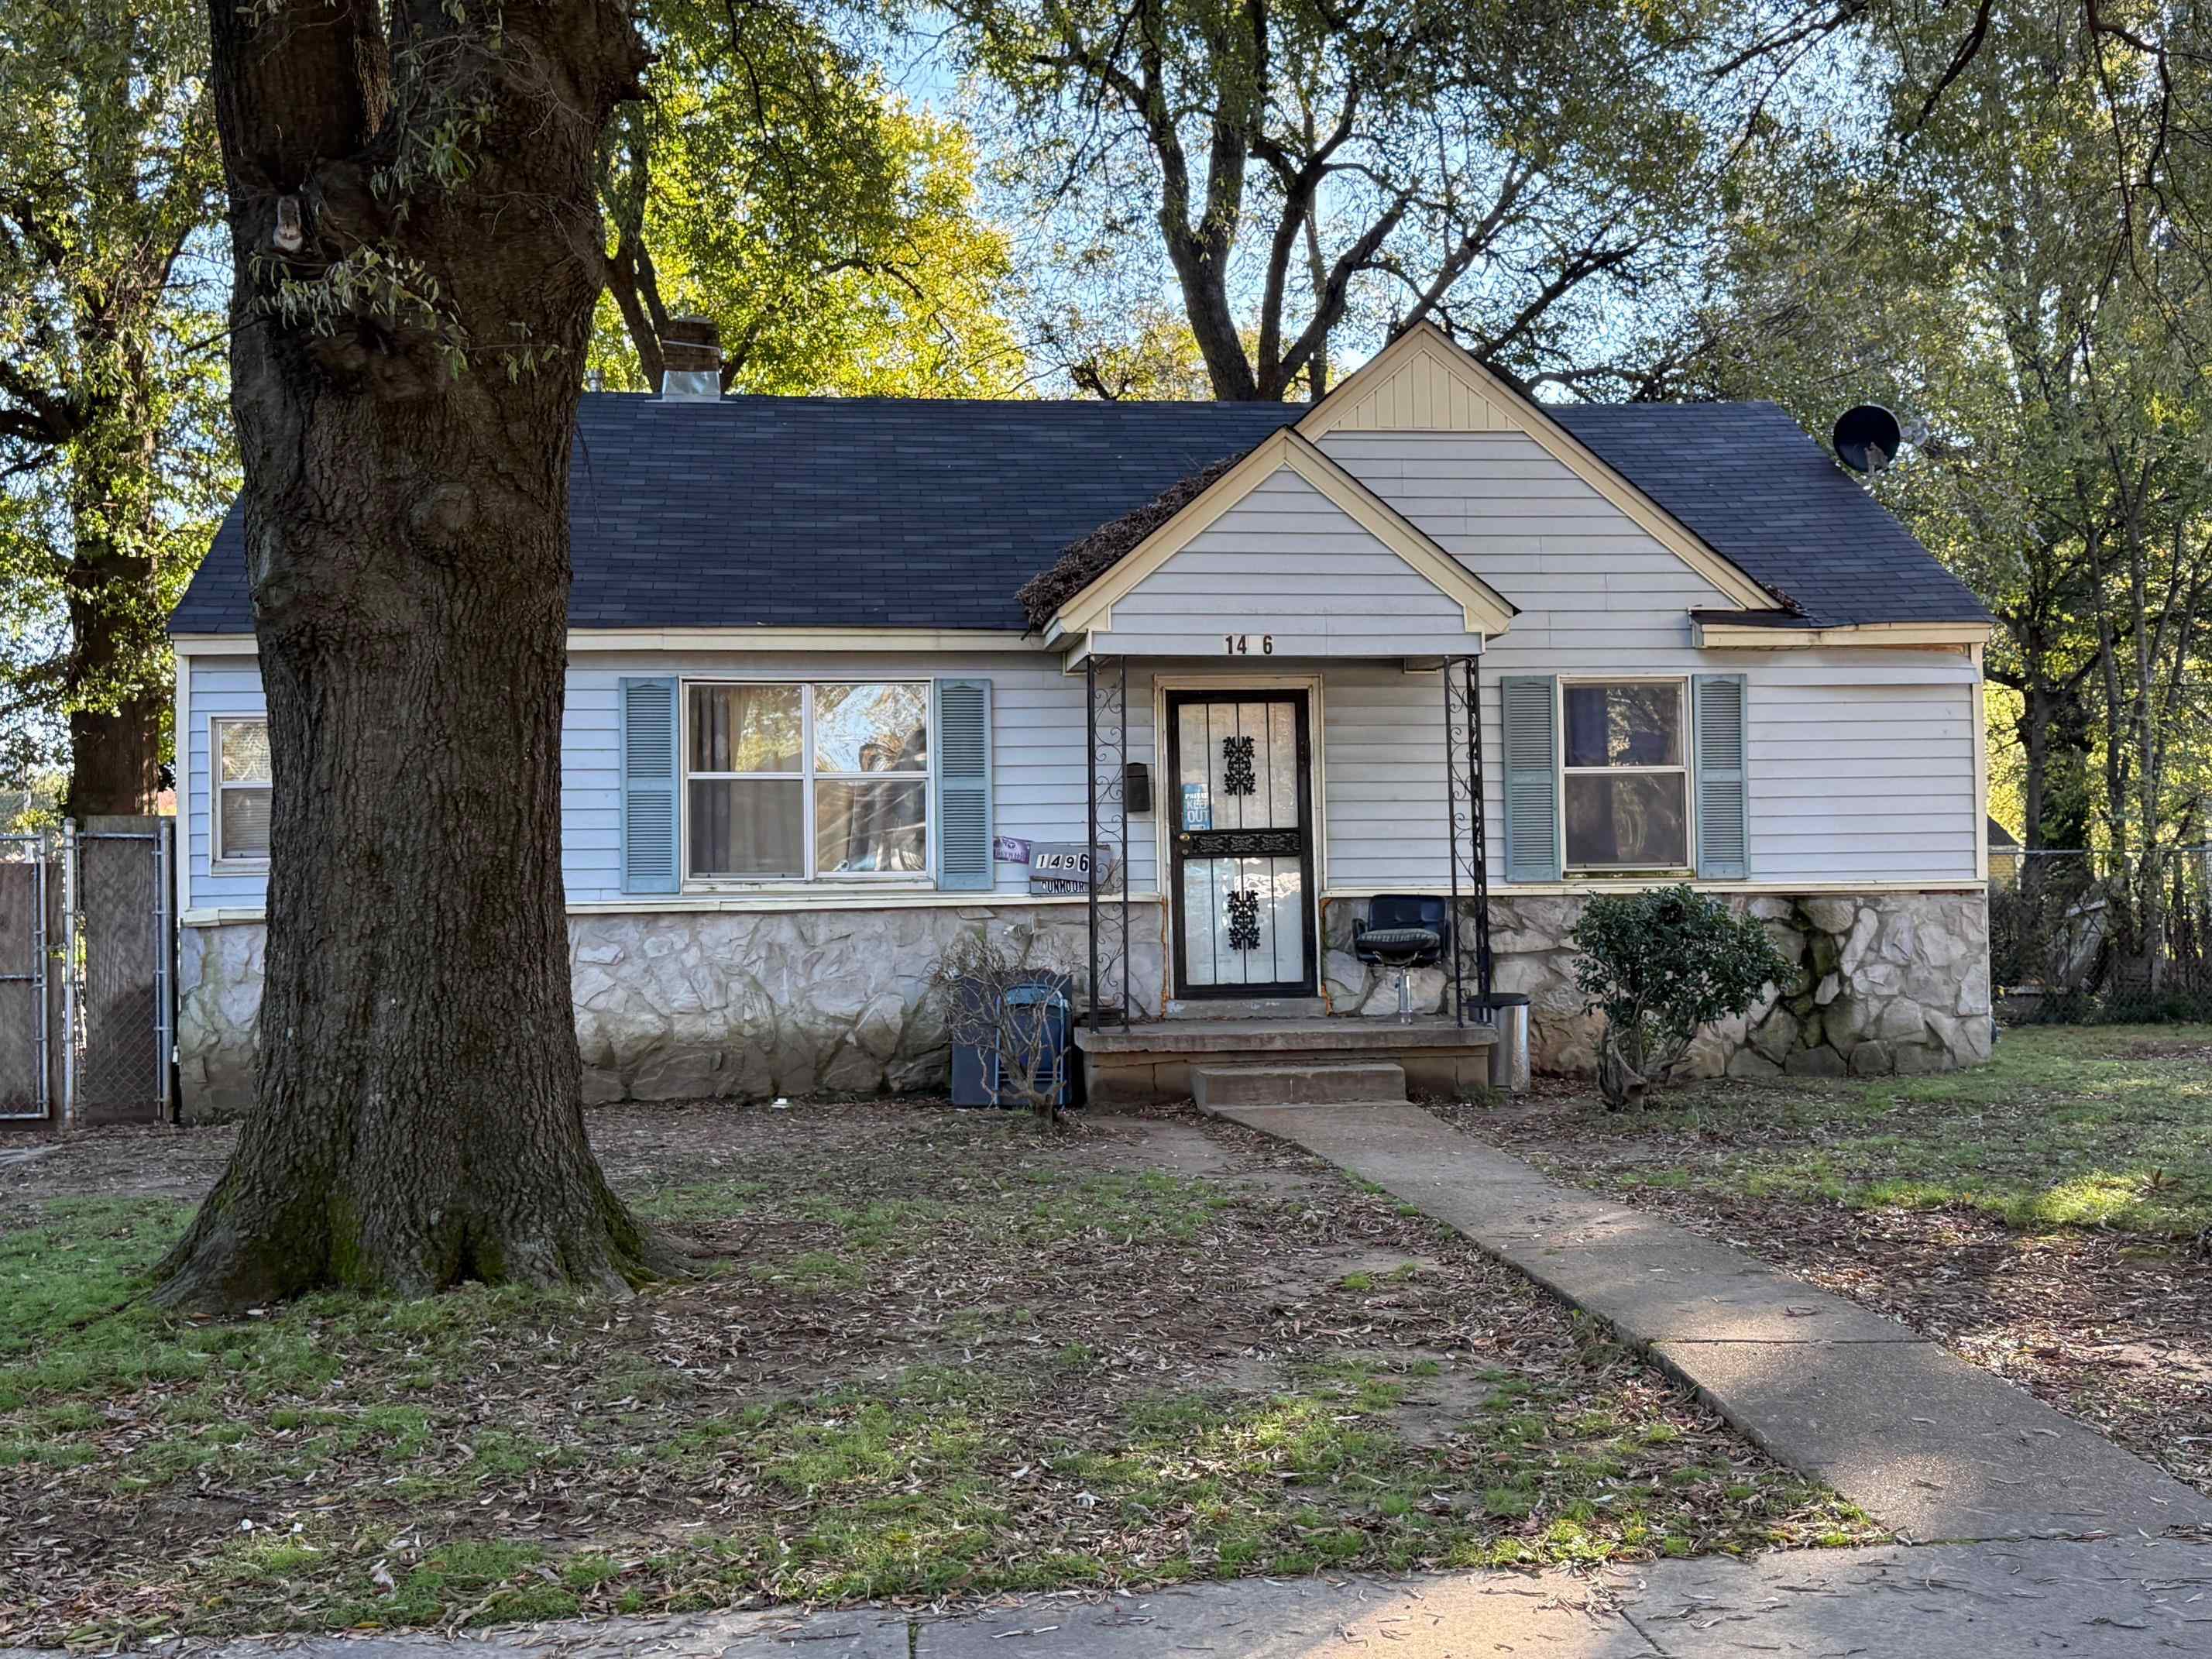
223,687
1288,568
1861,761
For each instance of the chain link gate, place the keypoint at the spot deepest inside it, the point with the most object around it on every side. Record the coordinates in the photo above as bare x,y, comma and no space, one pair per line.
119,915
30,917
87,1006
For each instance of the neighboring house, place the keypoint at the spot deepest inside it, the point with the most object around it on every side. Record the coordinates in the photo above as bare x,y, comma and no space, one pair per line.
812,732
2005,853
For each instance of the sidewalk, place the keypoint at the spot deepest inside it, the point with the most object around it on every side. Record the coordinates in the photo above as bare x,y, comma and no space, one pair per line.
2120,1599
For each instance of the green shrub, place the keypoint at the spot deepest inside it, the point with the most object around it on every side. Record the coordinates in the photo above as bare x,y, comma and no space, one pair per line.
1661,966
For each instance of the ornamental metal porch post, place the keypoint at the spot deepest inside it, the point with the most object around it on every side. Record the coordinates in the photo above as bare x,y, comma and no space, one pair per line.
1121,807
1466,831
1106,729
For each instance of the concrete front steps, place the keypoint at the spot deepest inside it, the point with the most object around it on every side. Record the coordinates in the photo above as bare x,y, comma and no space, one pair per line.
1158,1062
1326,1083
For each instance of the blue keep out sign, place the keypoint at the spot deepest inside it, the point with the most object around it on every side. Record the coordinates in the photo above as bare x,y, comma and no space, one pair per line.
1197,807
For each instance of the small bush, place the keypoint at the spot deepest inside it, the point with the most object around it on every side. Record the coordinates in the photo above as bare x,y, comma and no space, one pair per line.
973,983
1661,966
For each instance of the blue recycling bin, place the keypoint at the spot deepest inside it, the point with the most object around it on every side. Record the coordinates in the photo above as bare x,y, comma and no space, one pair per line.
976,1076
1053,1009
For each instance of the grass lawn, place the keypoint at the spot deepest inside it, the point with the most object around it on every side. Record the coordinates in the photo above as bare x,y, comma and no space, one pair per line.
2038,1214
933,1354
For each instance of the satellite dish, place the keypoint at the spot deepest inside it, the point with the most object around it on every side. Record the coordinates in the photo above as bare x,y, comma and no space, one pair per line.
1867,438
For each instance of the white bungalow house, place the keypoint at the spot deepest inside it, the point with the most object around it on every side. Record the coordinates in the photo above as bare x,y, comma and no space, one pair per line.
847,677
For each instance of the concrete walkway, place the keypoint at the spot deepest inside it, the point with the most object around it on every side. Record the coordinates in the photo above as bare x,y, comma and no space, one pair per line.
1928,1444
2119,1599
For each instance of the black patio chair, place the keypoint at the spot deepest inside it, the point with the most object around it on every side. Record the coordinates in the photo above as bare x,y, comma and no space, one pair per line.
1404,931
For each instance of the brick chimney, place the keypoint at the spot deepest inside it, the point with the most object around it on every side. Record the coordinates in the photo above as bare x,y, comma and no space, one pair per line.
691,359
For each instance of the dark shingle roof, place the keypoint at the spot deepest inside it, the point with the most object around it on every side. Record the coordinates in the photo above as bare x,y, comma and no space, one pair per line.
793,512
1760,491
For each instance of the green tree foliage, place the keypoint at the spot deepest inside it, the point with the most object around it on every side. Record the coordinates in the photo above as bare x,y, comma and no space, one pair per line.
1661,966
1144,352
2132,74
113,450
773,182
1308,171
2013,268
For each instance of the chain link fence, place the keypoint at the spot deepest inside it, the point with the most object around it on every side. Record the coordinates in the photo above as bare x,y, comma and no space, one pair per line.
86,1012
30,918
2084,936
122,958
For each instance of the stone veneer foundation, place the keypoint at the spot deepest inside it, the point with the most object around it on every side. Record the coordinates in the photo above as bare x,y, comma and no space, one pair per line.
1886,982
750,1005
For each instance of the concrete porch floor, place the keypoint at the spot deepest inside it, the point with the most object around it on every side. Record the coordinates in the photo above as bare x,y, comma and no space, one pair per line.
1152,1062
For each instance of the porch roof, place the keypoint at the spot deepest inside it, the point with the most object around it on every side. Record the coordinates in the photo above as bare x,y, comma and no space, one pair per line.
1283,553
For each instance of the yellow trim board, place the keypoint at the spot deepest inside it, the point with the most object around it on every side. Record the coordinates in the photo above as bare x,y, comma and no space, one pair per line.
710,904
1487,611
713,639
1742,637
1422,381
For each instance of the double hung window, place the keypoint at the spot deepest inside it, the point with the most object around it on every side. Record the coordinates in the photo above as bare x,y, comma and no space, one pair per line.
800,781
1625,780
242,791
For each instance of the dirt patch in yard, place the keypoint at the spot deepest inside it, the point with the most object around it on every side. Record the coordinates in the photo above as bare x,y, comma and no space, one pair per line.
939,1354
122,1163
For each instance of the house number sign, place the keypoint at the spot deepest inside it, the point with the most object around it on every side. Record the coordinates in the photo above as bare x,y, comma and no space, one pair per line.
1063,868
1240,645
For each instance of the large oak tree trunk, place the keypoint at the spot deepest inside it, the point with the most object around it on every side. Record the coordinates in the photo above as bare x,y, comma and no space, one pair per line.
115,758
117,646
420,1119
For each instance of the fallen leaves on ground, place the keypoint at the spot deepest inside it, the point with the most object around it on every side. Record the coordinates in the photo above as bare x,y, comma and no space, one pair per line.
939,1354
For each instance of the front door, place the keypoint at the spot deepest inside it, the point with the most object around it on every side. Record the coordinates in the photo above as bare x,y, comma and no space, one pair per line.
1242,821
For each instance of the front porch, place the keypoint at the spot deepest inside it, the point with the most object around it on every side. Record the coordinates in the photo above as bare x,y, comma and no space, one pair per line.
1257,969
1249,1061
1210,630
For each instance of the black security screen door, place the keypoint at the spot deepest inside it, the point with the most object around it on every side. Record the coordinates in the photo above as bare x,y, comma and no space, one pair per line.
1242,826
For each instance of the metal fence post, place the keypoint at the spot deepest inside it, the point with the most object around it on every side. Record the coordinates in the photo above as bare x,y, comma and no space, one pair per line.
42,969
165,1006
68,972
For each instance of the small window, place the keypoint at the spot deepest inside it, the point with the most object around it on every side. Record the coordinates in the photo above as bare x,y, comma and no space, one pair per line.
242,791
1627,786
789,782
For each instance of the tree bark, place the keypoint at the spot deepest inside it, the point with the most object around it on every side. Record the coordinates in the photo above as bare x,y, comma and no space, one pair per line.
115,759
420,1119
115,639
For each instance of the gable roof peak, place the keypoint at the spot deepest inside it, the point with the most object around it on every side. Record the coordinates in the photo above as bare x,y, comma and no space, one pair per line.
1093,572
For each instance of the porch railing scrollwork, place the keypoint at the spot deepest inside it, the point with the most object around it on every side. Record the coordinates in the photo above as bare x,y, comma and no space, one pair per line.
1107,723
1471,968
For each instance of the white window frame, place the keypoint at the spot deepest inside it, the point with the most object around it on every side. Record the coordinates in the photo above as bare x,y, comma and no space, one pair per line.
919,880
219,861
1570,870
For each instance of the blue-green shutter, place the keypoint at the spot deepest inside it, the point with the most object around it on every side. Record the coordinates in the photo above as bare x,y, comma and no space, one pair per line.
1528,711
964,785
1724,803
649,784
